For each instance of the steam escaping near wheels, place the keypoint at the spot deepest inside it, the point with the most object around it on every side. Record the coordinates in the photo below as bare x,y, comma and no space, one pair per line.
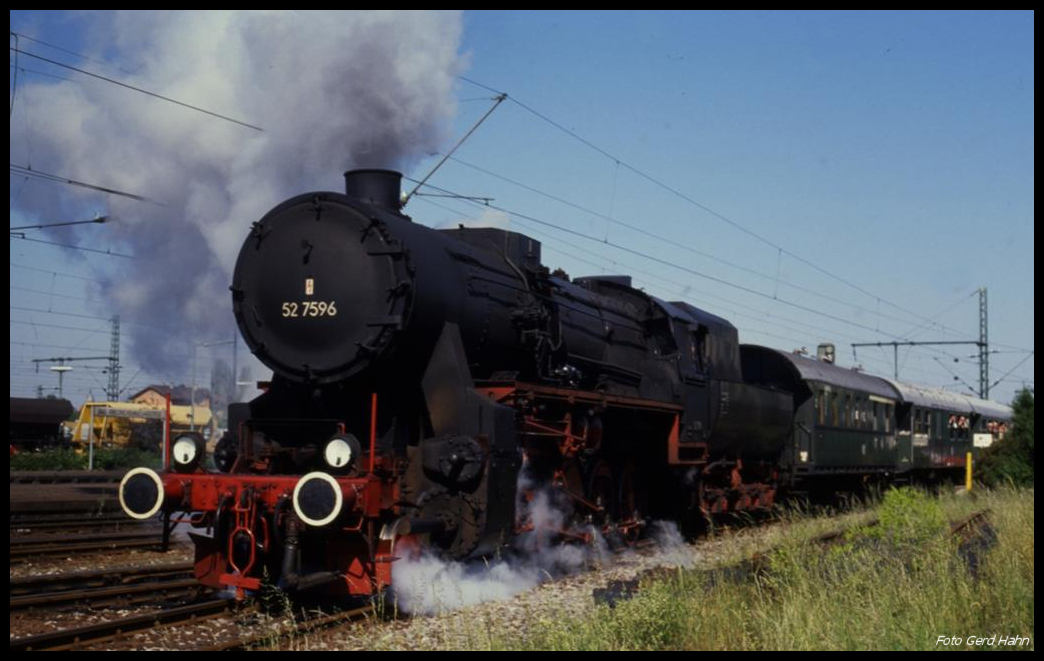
428,585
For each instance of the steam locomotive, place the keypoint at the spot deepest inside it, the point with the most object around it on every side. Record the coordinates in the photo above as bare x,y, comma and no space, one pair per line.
427,383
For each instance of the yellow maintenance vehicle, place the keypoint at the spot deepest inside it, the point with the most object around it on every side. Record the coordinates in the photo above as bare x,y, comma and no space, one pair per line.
134,425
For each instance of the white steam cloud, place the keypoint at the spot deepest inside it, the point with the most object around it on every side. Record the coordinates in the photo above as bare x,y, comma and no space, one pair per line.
332,90
430,585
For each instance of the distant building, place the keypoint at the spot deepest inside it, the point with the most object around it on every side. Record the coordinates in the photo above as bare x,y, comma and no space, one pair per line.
155,395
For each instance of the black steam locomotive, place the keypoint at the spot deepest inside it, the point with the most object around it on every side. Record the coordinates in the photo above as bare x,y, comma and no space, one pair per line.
427,383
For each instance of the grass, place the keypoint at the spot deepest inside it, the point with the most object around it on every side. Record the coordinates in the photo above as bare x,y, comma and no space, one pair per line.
899,585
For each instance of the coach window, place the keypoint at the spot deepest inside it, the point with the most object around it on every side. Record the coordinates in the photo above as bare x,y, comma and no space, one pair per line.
821,406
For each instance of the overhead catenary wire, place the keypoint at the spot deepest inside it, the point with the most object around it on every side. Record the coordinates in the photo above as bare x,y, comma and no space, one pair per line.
124,320
925,321
136,89
109,253
52,294
496,104
42,73
668,263
98,219
19,35
680,287
47,176
53,273
57,326
1017,365
14,79
679,194
728,306
676,244
931,320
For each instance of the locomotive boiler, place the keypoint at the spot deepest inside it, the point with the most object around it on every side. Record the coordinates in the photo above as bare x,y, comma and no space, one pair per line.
426,383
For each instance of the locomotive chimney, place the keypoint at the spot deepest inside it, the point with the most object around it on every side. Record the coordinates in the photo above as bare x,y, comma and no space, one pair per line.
378,187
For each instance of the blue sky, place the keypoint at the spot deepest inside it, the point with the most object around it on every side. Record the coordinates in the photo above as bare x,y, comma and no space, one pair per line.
892,150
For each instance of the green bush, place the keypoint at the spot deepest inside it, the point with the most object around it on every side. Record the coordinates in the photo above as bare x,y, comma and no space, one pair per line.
67,459
49,460
908,518
1010,461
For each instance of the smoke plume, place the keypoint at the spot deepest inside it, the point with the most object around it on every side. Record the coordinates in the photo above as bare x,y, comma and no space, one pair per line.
332,91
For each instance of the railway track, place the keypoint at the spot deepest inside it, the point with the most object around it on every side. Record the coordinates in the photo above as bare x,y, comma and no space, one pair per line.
23,547
104,588
44,522
67,477
114,630
60,493
265,632
307,624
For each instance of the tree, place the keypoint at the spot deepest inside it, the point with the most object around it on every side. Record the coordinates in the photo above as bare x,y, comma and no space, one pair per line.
1010,460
